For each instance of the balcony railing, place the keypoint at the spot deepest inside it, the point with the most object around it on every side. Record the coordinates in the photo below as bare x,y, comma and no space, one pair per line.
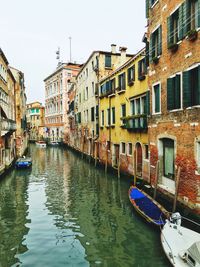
135,122
8,125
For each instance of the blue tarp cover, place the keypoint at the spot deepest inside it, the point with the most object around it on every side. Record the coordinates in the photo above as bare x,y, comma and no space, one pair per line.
146,205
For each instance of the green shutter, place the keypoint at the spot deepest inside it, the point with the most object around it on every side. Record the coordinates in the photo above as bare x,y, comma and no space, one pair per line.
150,49
169,31
187,101
157,98
147,8
160,40
180,17
187,19
147,103
198,13
177,93
198,85
170,94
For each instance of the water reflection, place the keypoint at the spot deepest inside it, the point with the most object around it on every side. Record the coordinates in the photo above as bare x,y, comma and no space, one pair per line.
13,217
72,214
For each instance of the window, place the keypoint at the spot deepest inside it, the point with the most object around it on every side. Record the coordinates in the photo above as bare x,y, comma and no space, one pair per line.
131,75
108,145
102,118
146,151
194,13
80,98
168,158
86,93
123,148
174,93
174,27
130,149
108,117
112,85
191,87
108,61
141,69
156,98
79,117
92,114
122,81
155,48
113,115
93,90
152,2
123,113
97,111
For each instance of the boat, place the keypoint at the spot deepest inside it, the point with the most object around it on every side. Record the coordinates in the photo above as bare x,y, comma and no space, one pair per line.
53,143
41,144
23,163
180,244
147,207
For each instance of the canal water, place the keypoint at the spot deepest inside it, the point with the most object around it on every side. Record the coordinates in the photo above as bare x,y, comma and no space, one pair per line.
66,212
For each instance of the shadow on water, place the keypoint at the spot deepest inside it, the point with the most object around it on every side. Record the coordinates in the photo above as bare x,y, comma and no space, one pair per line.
66,212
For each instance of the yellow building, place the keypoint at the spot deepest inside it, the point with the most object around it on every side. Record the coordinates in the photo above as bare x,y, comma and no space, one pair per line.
123,109
35,121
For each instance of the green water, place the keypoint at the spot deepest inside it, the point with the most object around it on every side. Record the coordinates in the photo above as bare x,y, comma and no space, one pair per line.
66,212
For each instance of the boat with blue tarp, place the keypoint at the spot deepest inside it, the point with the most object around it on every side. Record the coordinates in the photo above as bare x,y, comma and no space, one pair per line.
149,208
23,163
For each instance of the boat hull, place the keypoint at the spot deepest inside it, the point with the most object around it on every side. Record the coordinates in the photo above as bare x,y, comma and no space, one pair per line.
147,207
175,241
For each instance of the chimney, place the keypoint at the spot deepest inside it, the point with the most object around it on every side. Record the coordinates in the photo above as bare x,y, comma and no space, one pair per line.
113,48
122,50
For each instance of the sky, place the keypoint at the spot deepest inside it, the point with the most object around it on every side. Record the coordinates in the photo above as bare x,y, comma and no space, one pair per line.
32,30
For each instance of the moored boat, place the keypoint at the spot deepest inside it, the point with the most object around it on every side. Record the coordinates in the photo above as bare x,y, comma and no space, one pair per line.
180,244
147,207
53,143
23,163
41,144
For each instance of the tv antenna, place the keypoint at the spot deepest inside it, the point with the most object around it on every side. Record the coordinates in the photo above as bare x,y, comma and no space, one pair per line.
70,49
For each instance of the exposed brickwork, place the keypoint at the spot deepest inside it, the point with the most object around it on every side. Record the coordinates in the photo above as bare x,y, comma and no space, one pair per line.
182,126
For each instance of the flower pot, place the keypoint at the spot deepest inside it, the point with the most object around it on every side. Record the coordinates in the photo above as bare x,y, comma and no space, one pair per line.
192,35
173,47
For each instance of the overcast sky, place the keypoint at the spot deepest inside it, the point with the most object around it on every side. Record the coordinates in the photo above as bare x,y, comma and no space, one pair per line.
32,30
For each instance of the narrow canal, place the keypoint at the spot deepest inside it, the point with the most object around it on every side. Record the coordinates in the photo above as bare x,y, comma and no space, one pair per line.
66,212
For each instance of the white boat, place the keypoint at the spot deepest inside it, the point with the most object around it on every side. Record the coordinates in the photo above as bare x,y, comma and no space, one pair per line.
53,143
181,245
41,144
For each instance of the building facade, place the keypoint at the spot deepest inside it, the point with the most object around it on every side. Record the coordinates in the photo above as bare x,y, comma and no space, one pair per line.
174,83
7,114
56,101
123,109
20,112
35,121
98,65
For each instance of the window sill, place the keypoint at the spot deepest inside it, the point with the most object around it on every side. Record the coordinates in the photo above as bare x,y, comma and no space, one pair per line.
158,113
193,107
175,110
121,91
154,4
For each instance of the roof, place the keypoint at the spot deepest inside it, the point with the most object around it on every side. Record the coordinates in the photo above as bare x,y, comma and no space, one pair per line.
127,63
101,52
66,66
3,56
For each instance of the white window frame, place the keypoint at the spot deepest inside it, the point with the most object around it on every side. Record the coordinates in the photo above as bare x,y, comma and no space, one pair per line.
121,148
153,99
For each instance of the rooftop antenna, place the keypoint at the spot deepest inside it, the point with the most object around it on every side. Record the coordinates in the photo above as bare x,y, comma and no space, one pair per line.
70,49
58,55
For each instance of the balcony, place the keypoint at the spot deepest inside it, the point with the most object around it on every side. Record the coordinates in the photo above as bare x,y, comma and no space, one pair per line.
110,92
135,123
8,125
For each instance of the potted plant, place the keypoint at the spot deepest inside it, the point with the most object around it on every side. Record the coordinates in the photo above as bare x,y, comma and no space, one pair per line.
192,35
155,60
173,47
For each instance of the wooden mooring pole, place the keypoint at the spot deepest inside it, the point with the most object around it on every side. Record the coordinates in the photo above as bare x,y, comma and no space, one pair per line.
156,181
135,167
118,167
176,188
